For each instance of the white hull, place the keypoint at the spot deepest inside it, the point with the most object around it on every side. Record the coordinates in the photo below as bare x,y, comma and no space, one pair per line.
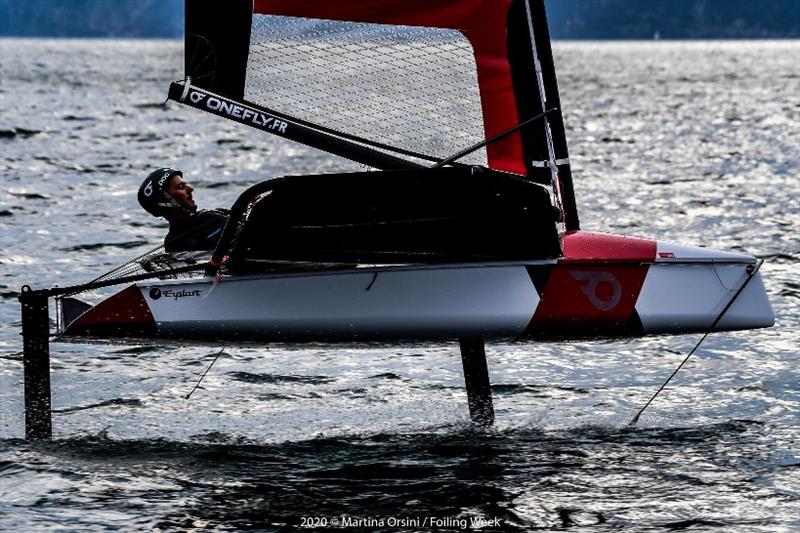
425,303
679,291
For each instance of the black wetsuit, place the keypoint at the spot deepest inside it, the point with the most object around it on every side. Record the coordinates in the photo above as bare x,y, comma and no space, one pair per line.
200,231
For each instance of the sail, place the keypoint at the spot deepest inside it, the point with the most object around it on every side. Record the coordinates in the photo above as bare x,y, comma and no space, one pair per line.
405,80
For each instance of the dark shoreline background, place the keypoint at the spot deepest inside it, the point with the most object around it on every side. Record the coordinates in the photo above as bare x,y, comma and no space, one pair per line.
569,19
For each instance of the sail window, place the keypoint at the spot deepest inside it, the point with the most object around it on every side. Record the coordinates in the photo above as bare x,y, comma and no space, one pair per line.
411,87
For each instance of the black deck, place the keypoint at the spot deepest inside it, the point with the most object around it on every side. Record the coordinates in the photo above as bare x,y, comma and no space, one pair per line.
430,216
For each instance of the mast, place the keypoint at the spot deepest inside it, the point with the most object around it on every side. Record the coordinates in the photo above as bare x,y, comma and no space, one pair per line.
551,151
536,89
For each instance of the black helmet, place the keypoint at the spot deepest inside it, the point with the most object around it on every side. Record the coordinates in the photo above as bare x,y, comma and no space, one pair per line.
153,195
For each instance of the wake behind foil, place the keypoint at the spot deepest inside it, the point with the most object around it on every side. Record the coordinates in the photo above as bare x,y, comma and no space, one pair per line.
485,244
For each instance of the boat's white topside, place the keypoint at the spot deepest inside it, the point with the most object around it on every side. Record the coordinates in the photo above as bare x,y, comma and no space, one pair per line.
667,251
665,289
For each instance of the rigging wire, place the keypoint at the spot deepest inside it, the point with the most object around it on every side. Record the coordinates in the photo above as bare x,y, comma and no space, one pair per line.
477,146
166,100
132,266
551,150
750,275
204,373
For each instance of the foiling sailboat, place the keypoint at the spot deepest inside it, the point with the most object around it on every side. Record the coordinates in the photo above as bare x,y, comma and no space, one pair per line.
484,244
429,248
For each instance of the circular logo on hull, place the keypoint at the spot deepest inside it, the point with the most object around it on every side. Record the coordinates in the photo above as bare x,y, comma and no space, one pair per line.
155,293
602,289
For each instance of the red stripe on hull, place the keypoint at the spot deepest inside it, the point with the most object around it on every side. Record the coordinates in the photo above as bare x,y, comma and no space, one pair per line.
125,314
583,245
590,298
590,291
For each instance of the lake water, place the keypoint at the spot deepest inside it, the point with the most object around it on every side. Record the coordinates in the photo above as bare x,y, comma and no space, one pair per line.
696,143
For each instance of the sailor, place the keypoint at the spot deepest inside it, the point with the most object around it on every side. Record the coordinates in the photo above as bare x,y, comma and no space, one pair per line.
164,193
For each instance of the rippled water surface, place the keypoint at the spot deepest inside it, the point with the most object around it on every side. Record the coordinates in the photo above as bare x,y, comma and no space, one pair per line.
695,143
